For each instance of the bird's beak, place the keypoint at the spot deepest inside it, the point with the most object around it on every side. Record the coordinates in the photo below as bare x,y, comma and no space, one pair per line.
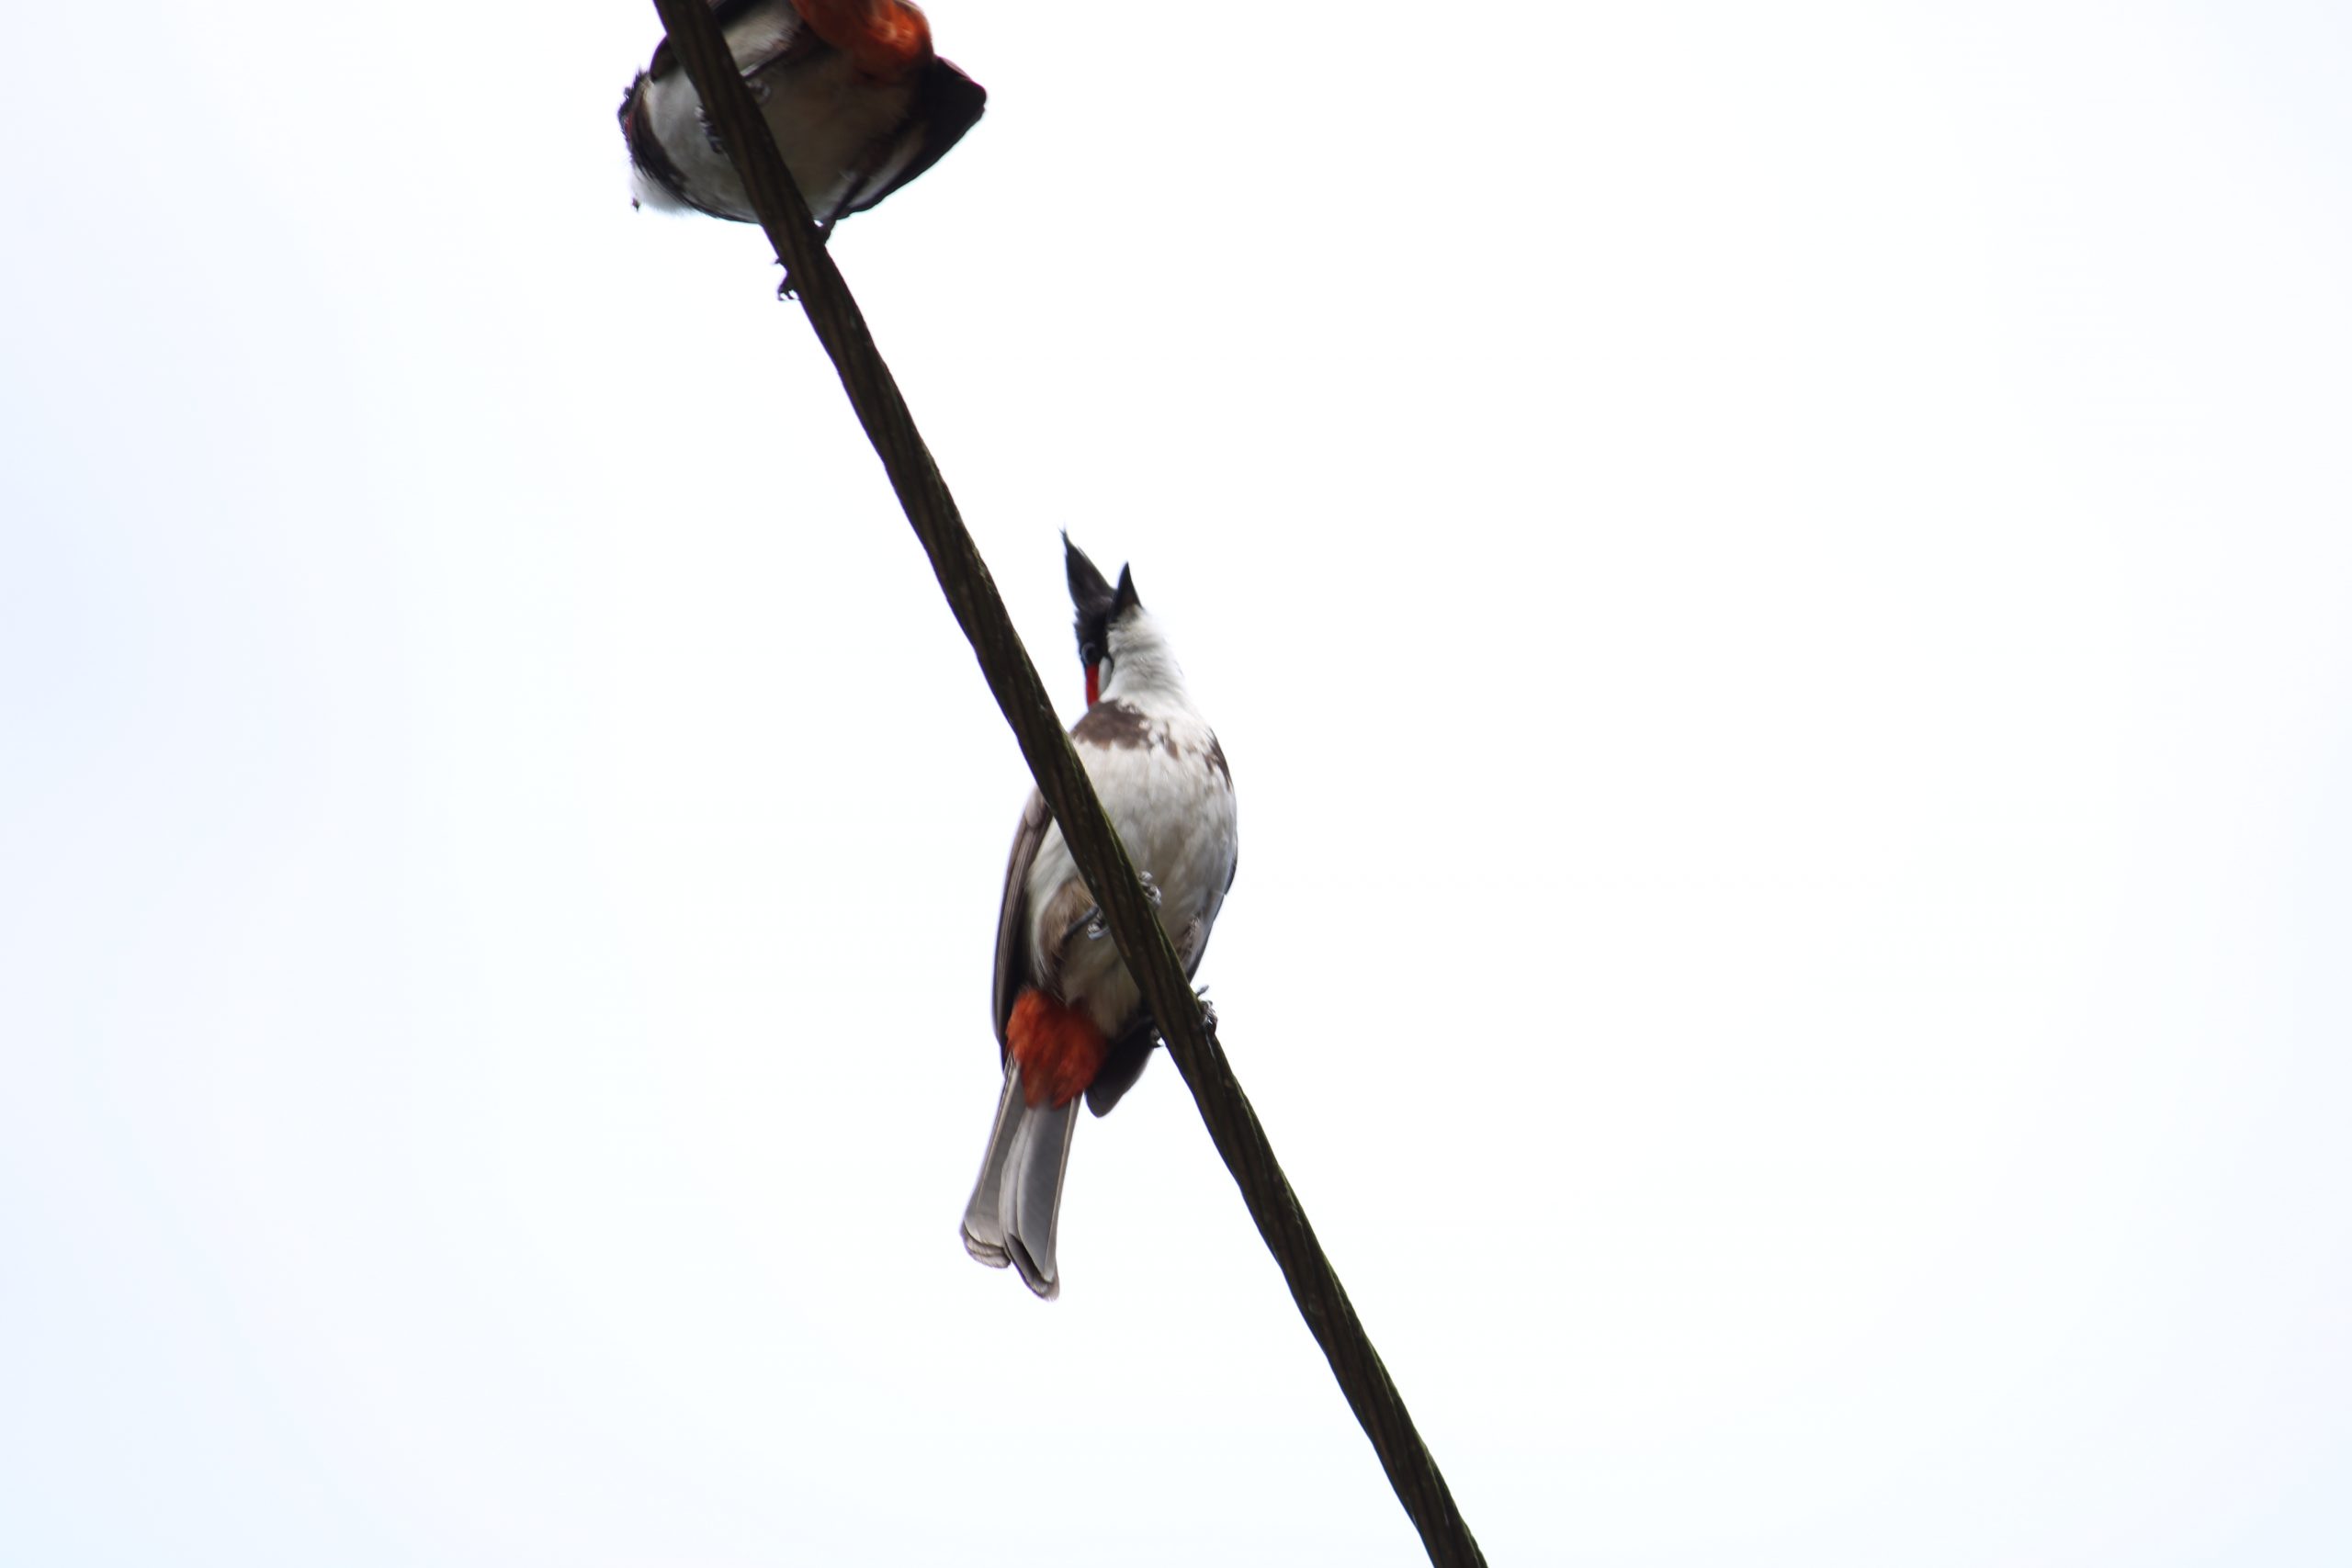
1093,685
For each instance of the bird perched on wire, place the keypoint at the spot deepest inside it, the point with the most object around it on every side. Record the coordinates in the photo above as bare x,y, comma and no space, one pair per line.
1069,1019
856,100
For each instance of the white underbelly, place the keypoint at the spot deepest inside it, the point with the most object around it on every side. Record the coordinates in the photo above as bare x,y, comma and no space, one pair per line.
1177,820
826,121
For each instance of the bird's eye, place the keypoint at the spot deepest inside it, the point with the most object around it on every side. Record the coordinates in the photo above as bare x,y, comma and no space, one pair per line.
1089,654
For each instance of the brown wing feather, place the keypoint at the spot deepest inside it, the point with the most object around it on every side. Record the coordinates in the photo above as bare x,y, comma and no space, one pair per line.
1012,914
947,104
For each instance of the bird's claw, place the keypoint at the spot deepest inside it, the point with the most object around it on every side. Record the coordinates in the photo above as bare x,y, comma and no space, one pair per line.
1092,923
784,290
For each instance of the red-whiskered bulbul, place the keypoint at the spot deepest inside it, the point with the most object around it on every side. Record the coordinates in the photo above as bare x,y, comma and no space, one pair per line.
856,100
1069,1020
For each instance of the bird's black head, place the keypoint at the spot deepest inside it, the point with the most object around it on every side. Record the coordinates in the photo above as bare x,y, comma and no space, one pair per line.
1098,604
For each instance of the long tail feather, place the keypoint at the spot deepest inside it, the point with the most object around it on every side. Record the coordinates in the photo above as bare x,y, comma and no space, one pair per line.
1017,1200
983,1230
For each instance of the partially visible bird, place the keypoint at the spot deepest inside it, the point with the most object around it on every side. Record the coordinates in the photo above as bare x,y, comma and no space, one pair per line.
856,100
1069,1019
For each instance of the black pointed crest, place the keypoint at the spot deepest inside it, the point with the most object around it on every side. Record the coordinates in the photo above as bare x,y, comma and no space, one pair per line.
1098,604
1089,589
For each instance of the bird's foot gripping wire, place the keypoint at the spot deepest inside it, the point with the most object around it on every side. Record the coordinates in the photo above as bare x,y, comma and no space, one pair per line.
784,289
1092,922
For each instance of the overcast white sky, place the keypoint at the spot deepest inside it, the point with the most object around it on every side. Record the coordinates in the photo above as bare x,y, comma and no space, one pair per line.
1776,580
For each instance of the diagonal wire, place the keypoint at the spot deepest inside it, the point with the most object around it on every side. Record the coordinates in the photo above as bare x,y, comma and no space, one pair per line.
972,595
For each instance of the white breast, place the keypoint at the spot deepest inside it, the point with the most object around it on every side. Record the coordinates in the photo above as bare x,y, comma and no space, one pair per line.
1173,808
827,122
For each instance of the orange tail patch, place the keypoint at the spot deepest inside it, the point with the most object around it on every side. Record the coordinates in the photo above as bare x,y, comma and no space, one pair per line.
1057,1046
882,38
